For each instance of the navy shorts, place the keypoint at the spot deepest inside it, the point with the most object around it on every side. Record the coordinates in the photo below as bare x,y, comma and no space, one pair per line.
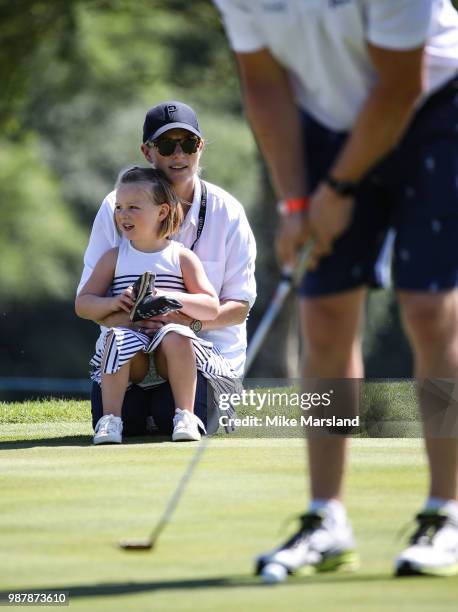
157,402
406,209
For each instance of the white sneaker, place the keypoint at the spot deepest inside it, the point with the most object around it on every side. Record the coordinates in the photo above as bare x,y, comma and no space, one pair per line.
108,430
433,549
186,426
320,545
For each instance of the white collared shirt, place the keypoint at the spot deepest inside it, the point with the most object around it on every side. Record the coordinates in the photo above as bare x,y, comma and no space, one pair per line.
226,248
323,45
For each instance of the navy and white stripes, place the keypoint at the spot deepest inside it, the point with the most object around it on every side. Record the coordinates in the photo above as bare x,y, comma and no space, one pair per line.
167,282
120,344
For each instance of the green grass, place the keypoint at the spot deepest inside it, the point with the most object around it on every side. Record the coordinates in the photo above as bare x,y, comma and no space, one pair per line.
64,504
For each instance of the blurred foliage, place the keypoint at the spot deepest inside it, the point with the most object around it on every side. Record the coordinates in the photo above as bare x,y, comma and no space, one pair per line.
386,351
40,242
77,77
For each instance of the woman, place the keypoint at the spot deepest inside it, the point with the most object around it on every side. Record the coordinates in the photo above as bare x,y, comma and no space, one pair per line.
215,227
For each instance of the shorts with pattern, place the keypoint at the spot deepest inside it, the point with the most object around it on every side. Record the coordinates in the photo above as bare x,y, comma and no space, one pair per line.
406,209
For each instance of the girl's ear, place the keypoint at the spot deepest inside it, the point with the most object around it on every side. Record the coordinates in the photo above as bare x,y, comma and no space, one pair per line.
165,211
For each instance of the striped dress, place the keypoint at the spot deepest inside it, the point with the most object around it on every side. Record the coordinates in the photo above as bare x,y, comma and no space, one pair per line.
117,345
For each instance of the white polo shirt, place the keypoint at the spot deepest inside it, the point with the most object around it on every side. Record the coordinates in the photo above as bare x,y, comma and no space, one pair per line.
226,248
322,43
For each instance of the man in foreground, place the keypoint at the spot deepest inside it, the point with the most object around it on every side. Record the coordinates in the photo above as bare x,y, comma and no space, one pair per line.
355,108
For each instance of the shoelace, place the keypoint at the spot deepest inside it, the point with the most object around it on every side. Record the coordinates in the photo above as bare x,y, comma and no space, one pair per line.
106,424
428,525
310,521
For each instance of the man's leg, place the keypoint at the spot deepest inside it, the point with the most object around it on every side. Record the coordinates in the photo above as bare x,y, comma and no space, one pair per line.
431,322
332,350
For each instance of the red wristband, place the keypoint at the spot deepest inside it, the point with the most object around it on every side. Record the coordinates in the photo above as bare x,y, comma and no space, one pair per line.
293,205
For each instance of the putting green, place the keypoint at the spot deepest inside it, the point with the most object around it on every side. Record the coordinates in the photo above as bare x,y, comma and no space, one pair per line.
64,505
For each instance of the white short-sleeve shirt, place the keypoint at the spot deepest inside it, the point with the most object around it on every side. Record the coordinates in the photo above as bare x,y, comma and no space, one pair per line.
322,43
226,248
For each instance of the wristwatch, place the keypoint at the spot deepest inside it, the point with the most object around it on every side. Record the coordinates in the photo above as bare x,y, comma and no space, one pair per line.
343,188
196,325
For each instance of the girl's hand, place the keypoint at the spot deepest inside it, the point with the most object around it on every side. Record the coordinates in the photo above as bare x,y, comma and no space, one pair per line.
123,301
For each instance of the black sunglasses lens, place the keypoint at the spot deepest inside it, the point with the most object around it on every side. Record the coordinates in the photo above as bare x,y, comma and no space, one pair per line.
167,146
189,145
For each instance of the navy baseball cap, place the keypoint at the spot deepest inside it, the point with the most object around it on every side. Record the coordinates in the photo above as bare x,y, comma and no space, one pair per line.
169,115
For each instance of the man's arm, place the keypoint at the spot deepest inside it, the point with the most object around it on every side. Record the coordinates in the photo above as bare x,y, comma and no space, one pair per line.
275,120
384,117
379,126
276,123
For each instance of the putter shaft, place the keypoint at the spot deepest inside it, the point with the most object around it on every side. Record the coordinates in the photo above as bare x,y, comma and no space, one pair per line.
290,278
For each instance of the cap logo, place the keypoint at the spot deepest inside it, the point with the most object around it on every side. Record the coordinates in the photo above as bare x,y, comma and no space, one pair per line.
171,110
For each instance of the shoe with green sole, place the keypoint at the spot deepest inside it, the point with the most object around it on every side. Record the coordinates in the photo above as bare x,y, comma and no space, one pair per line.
320,545
433,548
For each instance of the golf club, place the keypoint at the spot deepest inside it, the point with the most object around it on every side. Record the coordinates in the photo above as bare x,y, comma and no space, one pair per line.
148,543
290,278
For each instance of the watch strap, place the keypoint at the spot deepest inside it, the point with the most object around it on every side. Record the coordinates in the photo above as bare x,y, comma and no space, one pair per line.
343,188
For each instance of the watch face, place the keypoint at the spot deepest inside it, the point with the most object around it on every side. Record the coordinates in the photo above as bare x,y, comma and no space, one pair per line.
196,326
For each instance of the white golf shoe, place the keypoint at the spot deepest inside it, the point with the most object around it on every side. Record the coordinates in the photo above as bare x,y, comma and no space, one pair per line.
433,549
186,426
320,545
108,430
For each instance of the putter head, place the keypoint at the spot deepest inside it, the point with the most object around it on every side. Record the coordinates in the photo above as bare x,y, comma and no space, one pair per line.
140,544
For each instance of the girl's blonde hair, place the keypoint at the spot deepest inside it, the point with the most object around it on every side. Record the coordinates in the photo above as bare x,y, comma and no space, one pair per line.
161,192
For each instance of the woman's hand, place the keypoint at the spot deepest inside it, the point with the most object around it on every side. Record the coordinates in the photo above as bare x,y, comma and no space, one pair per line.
150,326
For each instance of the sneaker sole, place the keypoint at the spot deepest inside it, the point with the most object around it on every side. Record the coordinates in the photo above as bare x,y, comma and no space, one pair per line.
347,561
406,568
106,440
184,437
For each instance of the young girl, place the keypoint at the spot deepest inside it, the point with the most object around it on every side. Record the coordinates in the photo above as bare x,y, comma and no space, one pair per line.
147,213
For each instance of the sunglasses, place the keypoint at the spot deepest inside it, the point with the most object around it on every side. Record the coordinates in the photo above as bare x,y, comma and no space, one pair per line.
167,146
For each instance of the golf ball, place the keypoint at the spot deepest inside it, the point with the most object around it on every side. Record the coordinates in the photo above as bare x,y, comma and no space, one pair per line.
274,572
